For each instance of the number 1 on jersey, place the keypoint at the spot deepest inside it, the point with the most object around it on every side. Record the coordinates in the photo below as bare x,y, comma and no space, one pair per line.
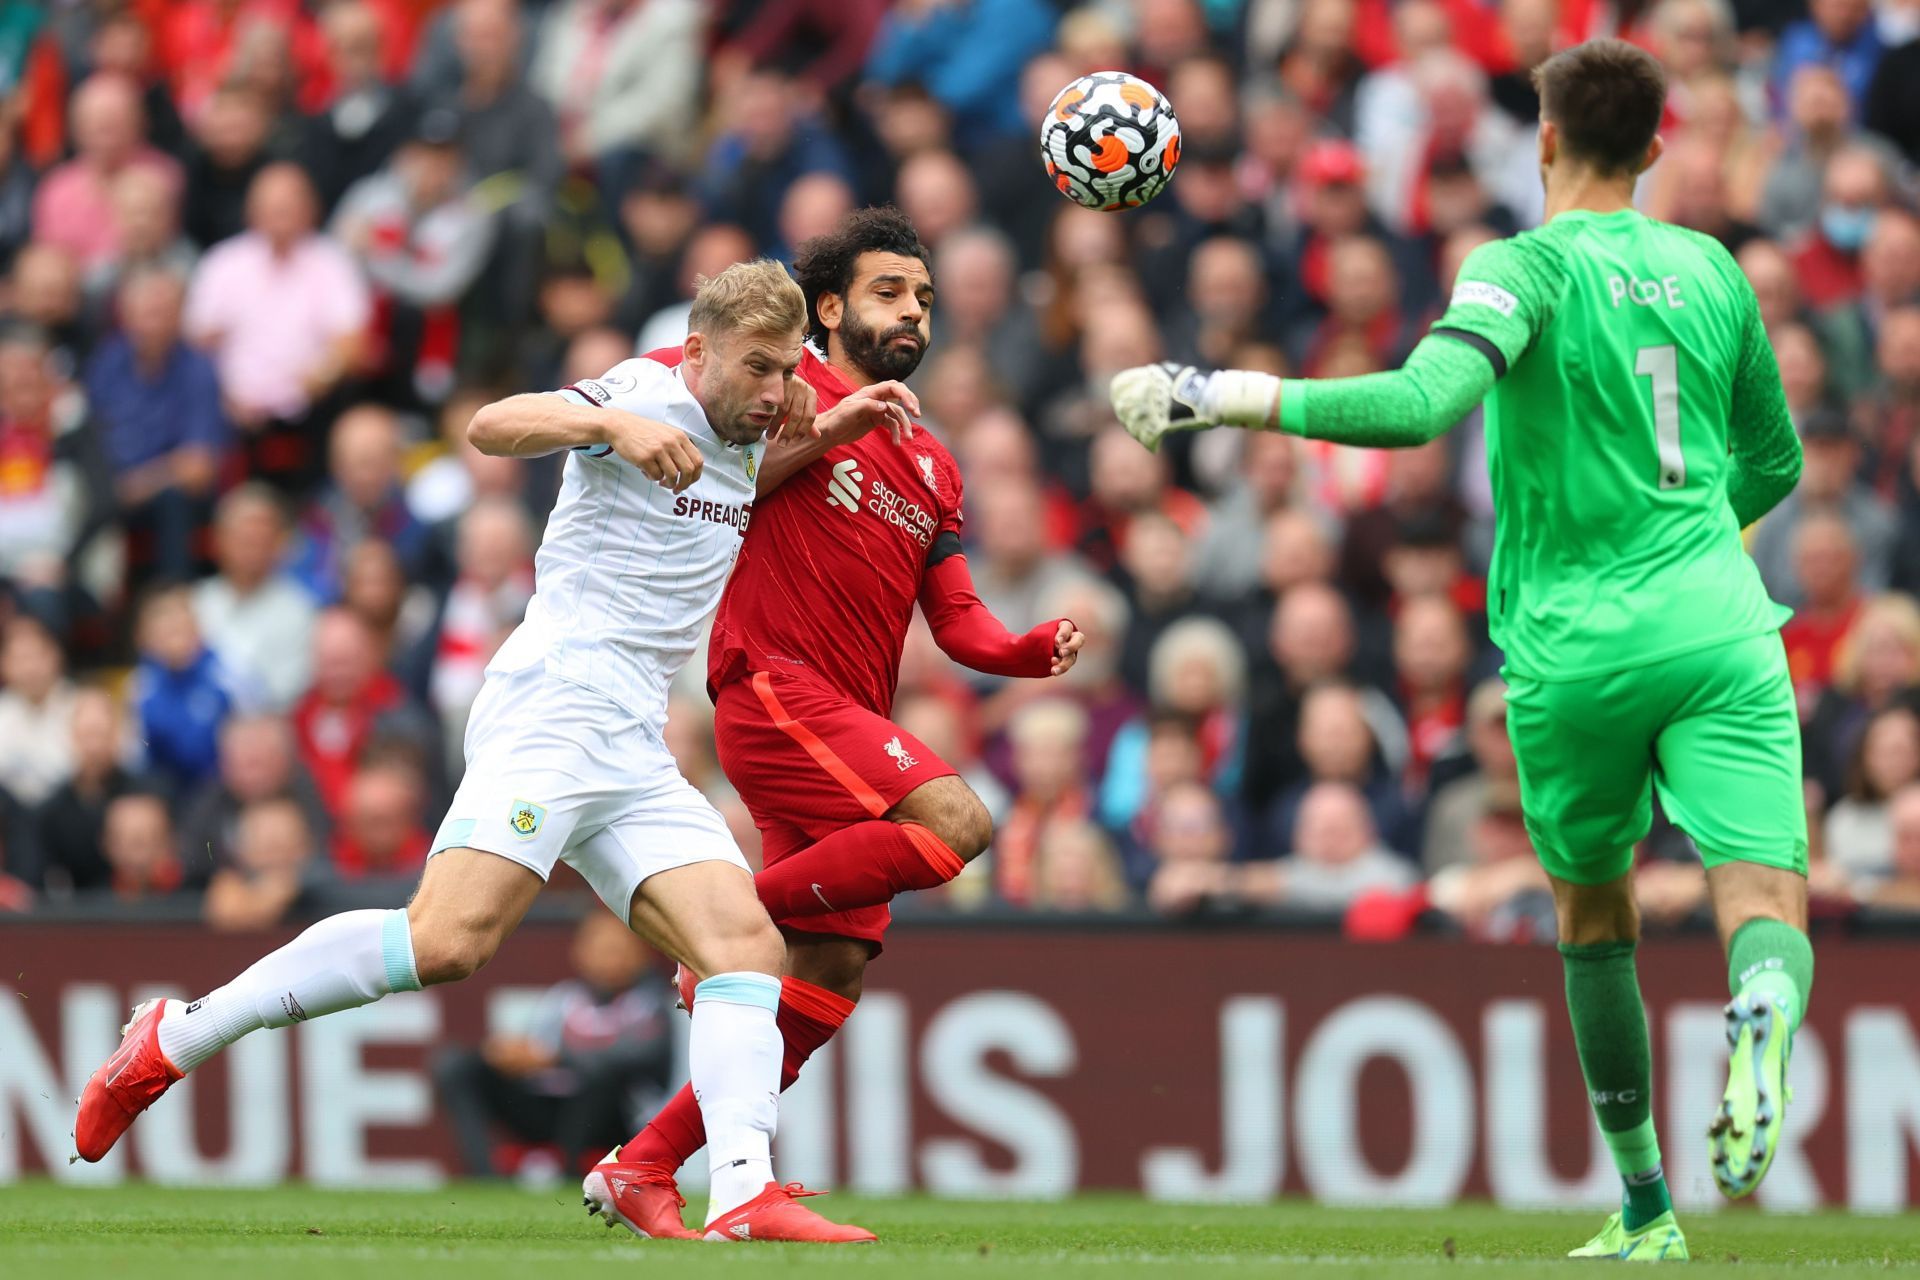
1662,365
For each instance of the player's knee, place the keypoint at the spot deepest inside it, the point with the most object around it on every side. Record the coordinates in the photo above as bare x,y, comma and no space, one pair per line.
954,813
450,949
741,944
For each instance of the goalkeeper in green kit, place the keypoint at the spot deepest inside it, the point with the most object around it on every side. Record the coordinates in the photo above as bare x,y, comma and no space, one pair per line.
1635,425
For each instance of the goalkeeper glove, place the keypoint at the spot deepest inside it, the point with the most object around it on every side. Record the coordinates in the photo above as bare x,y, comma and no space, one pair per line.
1153,399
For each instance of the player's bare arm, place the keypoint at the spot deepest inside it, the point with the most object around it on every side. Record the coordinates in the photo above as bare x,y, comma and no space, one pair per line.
891,405
526,426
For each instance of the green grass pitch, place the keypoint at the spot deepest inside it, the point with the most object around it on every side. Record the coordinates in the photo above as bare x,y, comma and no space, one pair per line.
482,1232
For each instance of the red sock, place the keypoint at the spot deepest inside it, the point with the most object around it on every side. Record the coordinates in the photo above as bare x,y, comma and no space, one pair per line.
807,1018
865,865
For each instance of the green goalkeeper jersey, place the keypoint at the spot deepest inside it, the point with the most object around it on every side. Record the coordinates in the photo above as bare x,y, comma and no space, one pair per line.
1626,350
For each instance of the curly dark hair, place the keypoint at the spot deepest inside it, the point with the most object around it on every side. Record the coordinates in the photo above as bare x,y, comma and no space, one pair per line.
824,264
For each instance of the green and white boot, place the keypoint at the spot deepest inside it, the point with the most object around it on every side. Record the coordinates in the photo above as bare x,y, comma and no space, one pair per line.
1746,1131
1657,1241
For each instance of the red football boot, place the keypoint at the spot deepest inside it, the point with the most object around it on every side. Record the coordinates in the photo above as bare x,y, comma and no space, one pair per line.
639,1195
128,1083
777,1214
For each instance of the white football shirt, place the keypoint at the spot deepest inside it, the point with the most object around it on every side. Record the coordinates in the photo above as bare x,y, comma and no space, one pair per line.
629,572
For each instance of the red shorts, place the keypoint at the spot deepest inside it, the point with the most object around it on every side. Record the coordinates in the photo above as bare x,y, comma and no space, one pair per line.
807,762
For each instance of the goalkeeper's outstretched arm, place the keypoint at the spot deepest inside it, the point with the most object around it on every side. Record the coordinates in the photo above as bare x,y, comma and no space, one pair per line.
1440,383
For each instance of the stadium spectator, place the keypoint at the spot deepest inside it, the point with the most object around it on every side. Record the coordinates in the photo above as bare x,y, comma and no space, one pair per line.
1853,193
623,77
380,836
1431,652
352,703
1898,889
1126,482
274,865
486,602
1849,331
364,498
422,236
1013,570
69,824
17,181
1049,739
47,295
36,712
1829,485
967,55
366,118
506,129
257,765
1859,836
980,305
1076,870
1100,611
57,492
457,474
567,1080
1337,855
283,311
254,615
73,209
1775,288
1826,571
1889,412
1337,745
1228,557
772,140
146,208
1819,125
1877,662
1840,34
1192,850
1197,673
1892,108
1490,791
1310,639
712,250
157,402
1131,798
228,151
138,841
400,611
203,42
181,694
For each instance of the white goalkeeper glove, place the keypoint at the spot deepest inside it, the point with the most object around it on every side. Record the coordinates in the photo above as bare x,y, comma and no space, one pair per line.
1153,399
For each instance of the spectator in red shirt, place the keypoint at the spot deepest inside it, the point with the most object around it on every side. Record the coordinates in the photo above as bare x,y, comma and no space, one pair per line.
352,702
1826,563
1430,656
381,834
1827,259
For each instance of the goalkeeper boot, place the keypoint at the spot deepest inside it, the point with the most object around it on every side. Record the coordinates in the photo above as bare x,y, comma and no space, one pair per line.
1746,1131
1657,1241
777,1214
125,1085
639,1195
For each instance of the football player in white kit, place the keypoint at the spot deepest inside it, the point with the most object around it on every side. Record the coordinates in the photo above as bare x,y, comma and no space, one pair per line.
565,758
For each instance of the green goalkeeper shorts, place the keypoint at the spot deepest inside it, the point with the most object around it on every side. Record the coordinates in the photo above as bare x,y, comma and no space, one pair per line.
1715,730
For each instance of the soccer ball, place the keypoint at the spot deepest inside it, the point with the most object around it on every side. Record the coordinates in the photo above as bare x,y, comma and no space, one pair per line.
1110,141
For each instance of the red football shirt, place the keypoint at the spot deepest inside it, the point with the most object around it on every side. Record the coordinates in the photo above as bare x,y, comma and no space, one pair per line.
833,559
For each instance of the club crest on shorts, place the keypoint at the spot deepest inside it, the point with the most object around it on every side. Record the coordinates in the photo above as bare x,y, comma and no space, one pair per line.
898,751
525,818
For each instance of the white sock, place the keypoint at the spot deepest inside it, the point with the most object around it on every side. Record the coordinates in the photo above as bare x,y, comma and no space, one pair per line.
342,962
734,1058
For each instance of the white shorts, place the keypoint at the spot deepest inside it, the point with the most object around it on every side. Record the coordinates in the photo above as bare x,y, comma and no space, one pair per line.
559,773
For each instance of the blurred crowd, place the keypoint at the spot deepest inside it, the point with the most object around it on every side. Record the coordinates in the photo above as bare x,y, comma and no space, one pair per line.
260,260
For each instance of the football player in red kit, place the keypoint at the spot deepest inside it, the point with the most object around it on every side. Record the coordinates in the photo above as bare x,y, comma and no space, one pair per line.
803,663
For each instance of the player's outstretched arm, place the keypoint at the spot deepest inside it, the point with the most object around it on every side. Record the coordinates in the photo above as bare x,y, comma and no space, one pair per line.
1440,383
966,630
1765,448
526,426
888,404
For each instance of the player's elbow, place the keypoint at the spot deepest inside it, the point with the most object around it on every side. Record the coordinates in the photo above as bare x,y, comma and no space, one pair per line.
488,430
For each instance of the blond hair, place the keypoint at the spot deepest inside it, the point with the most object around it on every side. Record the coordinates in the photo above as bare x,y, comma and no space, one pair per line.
757,297
1896,610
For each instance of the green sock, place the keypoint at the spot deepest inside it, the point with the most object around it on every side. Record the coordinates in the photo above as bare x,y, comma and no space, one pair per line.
1773,959
1610,1029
